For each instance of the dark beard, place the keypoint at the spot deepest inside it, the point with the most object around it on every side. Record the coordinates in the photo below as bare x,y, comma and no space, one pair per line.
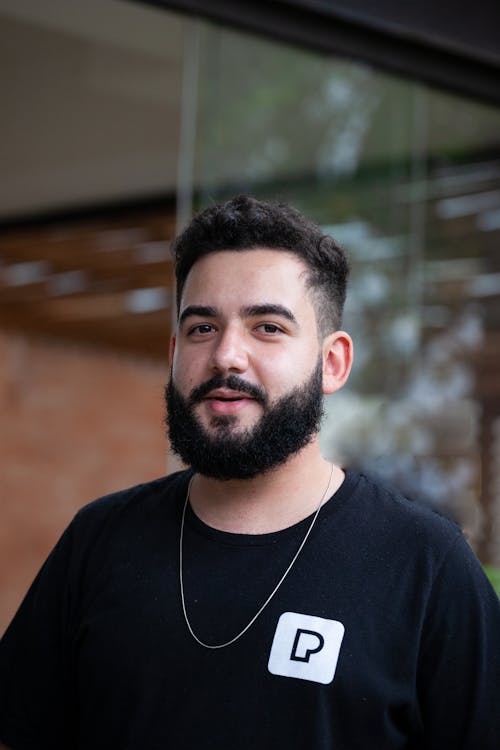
285,428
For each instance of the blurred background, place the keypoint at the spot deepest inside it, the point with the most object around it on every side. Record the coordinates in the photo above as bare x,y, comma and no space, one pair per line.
122,118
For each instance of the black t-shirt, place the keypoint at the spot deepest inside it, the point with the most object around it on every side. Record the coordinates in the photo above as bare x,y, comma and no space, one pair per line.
385,634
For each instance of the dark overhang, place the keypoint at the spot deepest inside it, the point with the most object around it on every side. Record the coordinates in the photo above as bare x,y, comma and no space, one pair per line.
450,45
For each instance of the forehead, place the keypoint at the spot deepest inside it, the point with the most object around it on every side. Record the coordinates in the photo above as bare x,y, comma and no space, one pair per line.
260,272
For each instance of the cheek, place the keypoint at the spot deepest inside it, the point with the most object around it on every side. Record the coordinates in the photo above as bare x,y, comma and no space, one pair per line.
181,373
284,372
187,372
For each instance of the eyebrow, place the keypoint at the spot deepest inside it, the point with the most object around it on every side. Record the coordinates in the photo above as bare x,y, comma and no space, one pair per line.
269,309
251,311
204,311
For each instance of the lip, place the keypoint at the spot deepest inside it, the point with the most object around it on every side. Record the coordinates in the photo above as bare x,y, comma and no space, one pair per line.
226,401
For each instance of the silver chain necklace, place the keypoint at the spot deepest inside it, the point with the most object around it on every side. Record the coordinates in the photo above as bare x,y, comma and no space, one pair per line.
273,592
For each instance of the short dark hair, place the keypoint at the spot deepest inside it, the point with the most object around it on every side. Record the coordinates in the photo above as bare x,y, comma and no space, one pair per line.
243,223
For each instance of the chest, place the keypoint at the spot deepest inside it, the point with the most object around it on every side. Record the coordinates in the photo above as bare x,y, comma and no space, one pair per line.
330,649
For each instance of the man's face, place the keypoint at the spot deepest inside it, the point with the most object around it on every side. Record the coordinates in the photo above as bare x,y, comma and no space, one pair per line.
245,389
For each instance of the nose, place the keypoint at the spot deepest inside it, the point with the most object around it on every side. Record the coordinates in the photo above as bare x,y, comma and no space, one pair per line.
230,352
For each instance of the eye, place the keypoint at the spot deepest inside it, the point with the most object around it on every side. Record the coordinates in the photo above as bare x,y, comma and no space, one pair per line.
270,329
202,329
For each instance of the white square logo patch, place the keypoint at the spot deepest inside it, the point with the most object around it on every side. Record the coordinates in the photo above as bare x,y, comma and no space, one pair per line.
306,647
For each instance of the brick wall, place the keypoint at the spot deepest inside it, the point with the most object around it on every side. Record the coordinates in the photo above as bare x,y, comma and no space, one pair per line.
75,424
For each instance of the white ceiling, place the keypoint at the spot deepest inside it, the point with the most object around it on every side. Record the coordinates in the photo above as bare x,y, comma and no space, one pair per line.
90,100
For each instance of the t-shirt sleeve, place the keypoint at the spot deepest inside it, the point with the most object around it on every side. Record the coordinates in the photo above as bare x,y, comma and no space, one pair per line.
36,689
459,675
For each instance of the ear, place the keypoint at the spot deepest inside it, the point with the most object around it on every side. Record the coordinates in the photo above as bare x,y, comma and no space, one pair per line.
337,361
171,350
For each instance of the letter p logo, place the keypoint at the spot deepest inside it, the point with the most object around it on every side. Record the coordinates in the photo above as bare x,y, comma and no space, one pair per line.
303,645
306,647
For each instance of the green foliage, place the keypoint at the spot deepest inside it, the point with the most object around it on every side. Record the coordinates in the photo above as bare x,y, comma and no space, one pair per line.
494,576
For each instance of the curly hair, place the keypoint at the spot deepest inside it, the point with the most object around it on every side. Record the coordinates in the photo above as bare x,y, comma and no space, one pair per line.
243,223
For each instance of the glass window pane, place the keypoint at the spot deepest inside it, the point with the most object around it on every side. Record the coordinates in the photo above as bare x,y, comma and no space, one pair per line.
408,179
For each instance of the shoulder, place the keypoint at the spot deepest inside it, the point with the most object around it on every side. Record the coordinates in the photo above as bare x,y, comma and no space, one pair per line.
397,525
390,508
155,489
413,551
397,510
140,504
124,522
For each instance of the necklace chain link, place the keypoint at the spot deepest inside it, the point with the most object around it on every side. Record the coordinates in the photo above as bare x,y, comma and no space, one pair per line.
271,595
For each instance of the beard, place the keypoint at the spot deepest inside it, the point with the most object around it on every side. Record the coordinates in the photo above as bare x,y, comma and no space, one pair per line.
285,427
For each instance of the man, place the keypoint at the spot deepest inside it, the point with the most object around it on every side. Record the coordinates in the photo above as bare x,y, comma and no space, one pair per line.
264,598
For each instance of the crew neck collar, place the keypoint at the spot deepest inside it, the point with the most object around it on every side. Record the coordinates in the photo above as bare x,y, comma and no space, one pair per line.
334,502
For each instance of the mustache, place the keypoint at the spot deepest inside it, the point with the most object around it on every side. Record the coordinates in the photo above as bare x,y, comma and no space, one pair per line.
234,382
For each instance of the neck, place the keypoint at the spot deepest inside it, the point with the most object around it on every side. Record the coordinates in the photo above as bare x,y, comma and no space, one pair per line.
271,501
